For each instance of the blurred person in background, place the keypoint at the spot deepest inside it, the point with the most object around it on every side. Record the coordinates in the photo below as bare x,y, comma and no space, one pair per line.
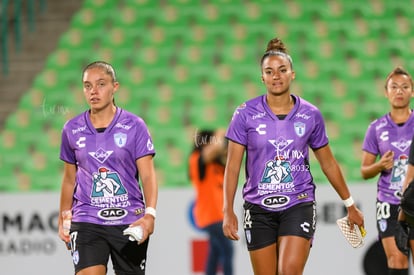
206,171
276,130
108,183
385,152
405,235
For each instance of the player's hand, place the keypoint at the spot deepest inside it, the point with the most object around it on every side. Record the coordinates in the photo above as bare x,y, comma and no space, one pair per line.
387,160
147,222
230,226
63,237
355,217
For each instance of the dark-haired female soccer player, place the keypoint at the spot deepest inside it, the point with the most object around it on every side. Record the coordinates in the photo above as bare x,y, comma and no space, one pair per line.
275,130
385,153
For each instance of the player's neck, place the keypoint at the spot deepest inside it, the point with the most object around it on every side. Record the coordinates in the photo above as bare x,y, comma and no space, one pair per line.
103,117
400,115
280,105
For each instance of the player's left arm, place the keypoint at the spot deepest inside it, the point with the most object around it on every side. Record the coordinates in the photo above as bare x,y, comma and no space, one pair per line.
331,169
146,170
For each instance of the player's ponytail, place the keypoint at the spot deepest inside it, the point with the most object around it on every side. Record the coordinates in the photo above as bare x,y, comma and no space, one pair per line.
276,47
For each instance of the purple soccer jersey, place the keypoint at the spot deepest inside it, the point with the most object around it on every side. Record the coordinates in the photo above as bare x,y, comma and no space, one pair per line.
277,160
107,190
383,135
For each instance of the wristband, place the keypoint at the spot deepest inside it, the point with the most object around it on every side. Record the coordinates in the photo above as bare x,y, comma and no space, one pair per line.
348,202
151,211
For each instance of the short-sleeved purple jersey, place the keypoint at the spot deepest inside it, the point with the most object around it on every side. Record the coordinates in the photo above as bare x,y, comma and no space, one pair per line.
107,189
277,160
384,135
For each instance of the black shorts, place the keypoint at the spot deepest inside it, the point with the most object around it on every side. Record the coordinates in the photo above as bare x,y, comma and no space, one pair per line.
387,218
92,244
262,228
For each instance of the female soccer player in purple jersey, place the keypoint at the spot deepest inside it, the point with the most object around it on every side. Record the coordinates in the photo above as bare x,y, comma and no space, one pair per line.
386,149
276,130
108,182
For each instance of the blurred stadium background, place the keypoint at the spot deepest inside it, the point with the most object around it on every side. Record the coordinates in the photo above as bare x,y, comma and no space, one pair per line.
185,65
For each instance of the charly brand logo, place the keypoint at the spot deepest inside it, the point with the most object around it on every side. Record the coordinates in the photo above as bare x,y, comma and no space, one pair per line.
261,129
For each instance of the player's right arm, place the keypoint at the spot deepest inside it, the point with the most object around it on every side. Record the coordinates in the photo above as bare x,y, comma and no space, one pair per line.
231,178
66,195
371,168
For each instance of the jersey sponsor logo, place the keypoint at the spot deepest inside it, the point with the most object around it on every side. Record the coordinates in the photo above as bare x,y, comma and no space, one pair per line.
81,142
402,144
300,128
78,130
259,115
281,146
277,171
260,129
399,170
275,201
120,139
112,213
122,126
101,155
281,143
302,196
106,184
304,116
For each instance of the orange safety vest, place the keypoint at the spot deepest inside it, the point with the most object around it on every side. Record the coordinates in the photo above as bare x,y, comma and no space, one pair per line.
207,179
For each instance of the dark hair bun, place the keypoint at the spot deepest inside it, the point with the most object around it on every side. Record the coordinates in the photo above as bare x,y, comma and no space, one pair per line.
276,45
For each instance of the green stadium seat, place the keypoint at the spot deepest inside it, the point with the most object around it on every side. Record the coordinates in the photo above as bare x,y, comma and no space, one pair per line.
13,151
395,9
45,173
8,179
173,149
186,65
